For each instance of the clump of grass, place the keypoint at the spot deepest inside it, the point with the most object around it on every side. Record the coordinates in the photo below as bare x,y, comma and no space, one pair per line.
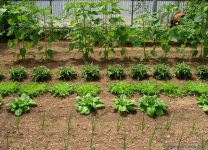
84,89
66,74
171,89
121,88
7,88
147,88
33,89
61,89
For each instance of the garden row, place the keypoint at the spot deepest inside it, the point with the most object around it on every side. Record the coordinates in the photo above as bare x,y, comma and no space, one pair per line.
87,102
91,72
88,30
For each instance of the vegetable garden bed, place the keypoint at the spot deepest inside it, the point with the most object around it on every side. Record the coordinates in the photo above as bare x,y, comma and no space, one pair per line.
55,122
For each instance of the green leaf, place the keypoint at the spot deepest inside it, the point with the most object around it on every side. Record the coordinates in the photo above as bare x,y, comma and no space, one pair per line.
10,44
18,112
153,51
150,111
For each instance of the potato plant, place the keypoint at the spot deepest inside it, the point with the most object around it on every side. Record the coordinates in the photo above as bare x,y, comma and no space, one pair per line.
18,73
90,72
41,74
67,73
161,72
139,72
116,72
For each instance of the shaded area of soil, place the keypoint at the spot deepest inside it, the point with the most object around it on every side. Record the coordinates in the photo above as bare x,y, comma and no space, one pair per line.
188,119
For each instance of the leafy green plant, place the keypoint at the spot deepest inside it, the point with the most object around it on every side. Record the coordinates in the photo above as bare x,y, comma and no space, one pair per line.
90,72
196,88
33,89
202,102
41,74
61,89
116,72
84,89
7,88
171,89
152,105
161,72
183,71
86,104
147,88
23,26
18,73
21,105
121,88
139,72
124,105
66,73
202,72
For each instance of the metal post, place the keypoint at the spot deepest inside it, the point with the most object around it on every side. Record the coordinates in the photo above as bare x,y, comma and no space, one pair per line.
154,9
51,9
132,12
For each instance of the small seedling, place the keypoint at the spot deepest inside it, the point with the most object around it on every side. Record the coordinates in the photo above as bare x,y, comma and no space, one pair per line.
119,123
42,121
93,130
143,124
169,122
180,139
18,123
151,138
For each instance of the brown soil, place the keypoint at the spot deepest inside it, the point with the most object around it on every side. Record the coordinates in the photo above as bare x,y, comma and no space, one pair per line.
189,122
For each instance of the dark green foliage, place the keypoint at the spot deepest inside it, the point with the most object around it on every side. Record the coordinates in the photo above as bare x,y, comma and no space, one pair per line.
202,102
139,72
124,104
196,88
121,88
202,72
152,105
161,72
41,74
171,89
7,88
61,89
67,74
33,89
183,71
21,105
90,72
18,73
84,89
87,104
116,72
147,88
1,76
